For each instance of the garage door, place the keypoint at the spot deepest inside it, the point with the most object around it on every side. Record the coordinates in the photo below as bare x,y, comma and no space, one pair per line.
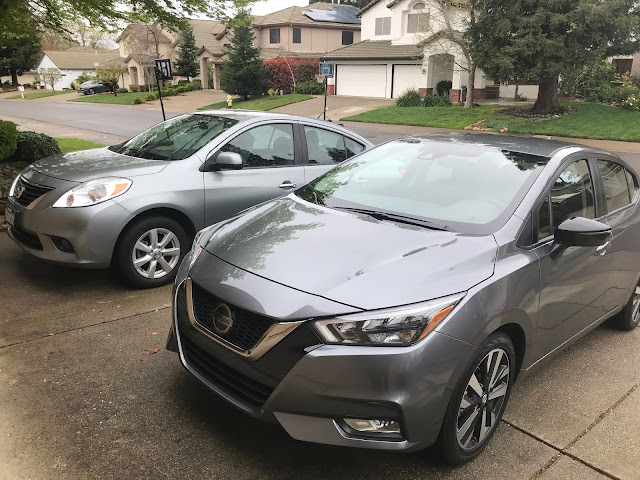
361,80
406,77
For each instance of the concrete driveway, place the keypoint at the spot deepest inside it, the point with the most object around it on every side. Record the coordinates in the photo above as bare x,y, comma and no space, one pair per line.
83,396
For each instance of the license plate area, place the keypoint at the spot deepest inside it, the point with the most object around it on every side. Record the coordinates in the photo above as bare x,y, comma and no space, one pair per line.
10,217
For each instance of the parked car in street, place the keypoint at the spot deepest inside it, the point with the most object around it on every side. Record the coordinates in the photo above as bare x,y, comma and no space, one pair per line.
91,87
136,206
392,302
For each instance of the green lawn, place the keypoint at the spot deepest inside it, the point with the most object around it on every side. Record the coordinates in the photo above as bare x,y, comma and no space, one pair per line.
74,144
120,99
40,94
591,120
261,103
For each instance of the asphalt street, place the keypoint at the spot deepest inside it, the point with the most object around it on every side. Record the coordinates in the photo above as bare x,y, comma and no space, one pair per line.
87,390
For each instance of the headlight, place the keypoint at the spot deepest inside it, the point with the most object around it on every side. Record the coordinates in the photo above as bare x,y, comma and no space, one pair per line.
199,242
393,327
93,192
13,186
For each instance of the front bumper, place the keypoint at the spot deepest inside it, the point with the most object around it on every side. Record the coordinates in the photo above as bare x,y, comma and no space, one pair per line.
308,387
91,231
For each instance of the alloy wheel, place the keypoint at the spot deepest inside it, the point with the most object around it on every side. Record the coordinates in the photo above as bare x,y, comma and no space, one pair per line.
483,399
635,311
156,253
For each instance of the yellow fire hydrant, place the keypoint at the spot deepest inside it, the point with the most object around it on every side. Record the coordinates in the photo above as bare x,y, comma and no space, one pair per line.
229,101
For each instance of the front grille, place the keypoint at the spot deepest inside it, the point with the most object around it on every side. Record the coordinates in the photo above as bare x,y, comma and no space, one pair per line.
247,329
30,192
25,237
245,389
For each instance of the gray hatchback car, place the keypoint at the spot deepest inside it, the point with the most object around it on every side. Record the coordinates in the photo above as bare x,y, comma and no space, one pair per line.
392,302
136,206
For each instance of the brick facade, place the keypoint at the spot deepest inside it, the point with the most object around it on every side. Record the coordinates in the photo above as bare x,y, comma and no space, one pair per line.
454,95
425,92
331,89
479,93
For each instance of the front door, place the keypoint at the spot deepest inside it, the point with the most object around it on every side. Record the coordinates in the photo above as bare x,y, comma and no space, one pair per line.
271,168
574,280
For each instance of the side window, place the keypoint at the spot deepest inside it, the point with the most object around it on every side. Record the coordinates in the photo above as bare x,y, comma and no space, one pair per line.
616,186
264,146
572,194
324,147
274,35
544,220
353,147
297,35
632,182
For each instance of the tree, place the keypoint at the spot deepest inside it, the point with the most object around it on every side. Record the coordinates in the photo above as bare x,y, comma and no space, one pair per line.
18,54
89,36
541,39
50,76
243,72
110,73
187,63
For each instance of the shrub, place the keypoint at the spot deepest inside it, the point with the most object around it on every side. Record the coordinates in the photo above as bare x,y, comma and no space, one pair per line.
149,97
181,89
436,101
137,101
27,85
32,146
273,93
409,98
279,72
167,84
443,87
602,93
123,90
183,82
310,87
142,88
171,92
632,103
584,79
8,139
133,88
197,84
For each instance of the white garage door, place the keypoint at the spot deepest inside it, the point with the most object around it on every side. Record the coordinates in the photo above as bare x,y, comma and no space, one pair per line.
361,80
406,77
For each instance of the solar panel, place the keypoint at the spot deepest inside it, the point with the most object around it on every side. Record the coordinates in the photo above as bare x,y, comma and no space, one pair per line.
337,14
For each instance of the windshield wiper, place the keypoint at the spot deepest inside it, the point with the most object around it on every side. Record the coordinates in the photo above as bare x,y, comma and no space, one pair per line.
393,217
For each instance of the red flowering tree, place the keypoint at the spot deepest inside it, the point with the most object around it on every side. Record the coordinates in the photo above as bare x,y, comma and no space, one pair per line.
284,73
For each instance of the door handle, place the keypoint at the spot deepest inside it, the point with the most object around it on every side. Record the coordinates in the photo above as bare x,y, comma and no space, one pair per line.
602,249
287,184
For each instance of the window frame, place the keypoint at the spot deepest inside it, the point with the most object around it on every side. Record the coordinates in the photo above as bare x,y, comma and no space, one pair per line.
627,169
347,32
382,29
299,31
271,32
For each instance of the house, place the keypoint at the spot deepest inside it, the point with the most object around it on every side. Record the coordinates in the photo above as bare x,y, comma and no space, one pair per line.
625,64
72,62
395,54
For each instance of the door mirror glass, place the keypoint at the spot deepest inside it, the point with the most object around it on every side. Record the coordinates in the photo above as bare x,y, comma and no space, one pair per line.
582,232
228,161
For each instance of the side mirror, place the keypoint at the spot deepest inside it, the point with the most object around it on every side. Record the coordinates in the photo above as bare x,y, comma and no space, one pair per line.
223,161
582,232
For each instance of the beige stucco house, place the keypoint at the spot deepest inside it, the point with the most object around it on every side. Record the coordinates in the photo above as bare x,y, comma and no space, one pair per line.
398,52
72,62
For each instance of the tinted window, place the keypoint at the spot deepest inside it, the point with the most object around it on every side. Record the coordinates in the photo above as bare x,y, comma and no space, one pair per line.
264,146
632,184
175,139
347,38
544,220
442,182
616,187
274,35
353,147
572,194
324,147
297,35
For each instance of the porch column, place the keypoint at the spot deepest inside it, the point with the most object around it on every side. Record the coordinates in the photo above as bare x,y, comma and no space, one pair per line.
428,67
204,72
460,78
216,80
480,86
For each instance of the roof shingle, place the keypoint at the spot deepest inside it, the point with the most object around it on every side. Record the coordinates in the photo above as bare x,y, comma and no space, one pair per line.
80,60
376,50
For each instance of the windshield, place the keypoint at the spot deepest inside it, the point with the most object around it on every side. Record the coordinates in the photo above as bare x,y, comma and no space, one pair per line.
446,184
175,139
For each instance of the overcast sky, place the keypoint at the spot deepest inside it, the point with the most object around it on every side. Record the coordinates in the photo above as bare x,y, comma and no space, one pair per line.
268,6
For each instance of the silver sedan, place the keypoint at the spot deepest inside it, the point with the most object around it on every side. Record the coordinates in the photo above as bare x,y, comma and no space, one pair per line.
136,206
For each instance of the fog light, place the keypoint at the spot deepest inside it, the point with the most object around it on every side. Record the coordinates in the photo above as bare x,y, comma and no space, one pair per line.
373,426
62,244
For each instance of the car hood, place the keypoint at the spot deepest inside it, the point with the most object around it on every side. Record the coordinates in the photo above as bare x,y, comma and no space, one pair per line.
350,258
100,162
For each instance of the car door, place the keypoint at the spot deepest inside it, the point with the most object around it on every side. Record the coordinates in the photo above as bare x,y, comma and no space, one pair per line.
272,166
621,201
574,281
323,149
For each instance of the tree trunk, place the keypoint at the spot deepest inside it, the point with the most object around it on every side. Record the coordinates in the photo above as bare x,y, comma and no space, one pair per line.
547,101
14,77
515,96
470,87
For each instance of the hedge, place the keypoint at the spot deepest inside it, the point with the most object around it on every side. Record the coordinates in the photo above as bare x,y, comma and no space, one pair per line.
8,139
279,72
32,146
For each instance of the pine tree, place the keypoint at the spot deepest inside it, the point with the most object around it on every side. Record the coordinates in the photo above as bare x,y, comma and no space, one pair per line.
187,63
243,71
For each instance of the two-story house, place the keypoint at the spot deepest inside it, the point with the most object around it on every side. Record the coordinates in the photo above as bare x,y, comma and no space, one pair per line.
402,48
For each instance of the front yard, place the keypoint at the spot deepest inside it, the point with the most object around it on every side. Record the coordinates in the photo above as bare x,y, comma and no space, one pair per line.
590,120
40,94
120,99
261,103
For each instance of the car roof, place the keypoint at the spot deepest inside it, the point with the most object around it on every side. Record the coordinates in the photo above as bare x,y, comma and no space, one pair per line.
254,115
544,147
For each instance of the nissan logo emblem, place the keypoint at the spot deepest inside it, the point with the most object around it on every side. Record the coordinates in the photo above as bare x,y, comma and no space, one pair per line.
222,318
19,190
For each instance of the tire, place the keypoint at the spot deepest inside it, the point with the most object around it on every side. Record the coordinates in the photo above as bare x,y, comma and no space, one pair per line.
92,91
629,318
137,242
466,430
